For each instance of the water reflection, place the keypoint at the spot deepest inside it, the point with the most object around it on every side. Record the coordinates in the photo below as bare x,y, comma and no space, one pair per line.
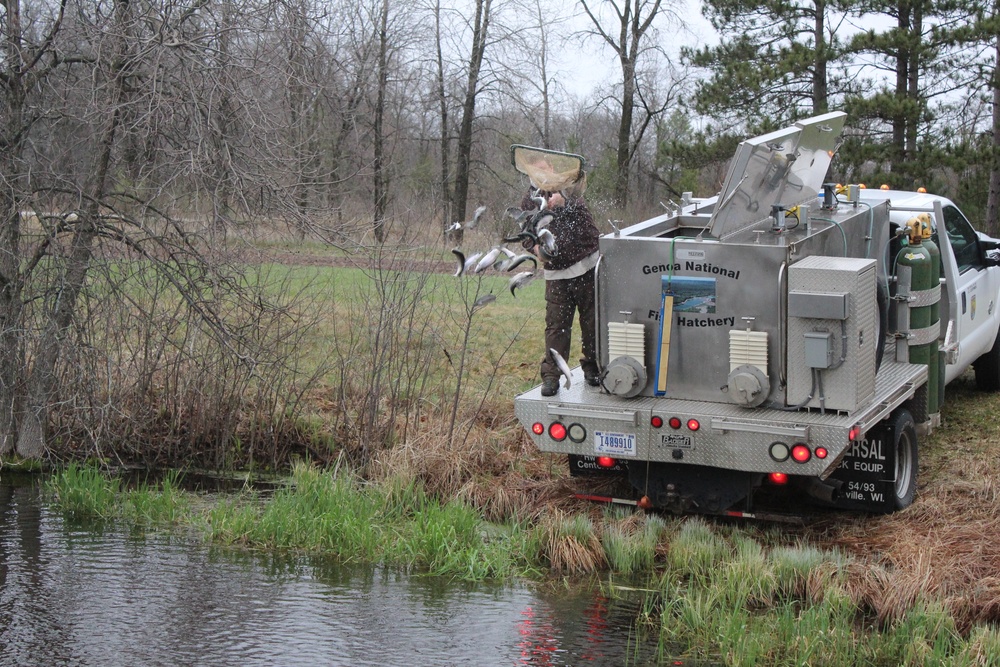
73,594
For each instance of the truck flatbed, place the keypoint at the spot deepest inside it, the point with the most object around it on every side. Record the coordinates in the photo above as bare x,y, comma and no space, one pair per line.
591,408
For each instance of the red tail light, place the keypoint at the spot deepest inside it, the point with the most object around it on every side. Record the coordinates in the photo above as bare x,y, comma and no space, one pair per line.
801,453
778,478
557,431
605,462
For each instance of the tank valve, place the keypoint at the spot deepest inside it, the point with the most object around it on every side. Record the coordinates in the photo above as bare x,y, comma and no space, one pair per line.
748,386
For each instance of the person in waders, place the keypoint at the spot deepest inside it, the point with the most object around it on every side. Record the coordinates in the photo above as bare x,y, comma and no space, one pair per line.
568,273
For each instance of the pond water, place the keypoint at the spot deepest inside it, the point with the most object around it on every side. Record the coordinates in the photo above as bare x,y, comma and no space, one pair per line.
83,594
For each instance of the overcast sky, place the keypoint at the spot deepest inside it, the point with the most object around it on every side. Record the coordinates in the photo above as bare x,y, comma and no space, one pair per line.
596,63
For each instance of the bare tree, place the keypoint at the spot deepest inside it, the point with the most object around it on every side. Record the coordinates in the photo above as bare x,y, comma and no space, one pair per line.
25,65
81,210
533,80
993,201
632,38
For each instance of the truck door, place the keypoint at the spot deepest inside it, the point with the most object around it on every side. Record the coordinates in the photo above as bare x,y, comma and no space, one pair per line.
972,300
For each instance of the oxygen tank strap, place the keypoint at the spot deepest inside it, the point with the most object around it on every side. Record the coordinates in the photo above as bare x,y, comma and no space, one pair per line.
924,297
924,336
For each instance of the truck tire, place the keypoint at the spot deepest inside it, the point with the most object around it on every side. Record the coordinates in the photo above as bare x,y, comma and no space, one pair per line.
987,369
904,442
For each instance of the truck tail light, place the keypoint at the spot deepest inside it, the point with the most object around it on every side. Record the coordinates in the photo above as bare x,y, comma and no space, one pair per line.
779,451
778,478
538,428
557,431
656,421
821,452
801,453
675,423
694,424
606,462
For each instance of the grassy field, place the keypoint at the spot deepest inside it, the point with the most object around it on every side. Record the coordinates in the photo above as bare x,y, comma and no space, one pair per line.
421,464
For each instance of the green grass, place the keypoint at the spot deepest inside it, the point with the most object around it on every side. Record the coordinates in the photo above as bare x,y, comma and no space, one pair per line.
84,491
394,522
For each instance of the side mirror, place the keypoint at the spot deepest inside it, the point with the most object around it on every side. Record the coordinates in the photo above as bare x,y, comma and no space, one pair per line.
991,251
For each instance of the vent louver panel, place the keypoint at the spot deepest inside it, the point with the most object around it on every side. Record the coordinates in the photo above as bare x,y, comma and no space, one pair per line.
747,348
627,340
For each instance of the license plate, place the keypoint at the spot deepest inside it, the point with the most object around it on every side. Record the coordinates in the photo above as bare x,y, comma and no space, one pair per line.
676,441
614,444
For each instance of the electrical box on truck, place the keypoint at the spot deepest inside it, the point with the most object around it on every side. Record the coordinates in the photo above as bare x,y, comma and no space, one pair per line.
831,301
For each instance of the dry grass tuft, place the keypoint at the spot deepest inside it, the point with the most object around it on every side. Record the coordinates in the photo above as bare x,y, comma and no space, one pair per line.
570,544
495,470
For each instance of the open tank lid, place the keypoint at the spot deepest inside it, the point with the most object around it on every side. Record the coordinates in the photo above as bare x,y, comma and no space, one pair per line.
786,167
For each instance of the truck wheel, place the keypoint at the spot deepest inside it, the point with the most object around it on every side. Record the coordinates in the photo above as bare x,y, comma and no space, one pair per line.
987,369
904,439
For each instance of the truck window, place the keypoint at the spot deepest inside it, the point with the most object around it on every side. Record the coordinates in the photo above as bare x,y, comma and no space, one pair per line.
963,238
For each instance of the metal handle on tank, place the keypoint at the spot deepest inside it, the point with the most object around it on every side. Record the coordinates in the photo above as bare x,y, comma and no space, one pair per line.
782,314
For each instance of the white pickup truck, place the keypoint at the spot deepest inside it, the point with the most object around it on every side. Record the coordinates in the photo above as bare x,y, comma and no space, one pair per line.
780,339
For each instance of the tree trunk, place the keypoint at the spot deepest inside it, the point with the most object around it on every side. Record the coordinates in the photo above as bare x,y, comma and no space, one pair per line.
41,382
993,199
623,154
913,82
819,64
379,188
10,228
464,157
899,120
446,217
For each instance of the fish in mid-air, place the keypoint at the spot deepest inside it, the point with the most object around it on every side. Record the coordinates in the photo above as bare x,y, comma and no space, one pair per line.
471,224
461,261
548,242
521,259
488,260
520,280
561,363
483,301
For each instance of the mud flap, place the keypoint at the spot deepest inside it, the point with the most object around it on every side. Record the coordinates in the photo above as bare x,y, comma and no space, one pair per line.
866,472
583,465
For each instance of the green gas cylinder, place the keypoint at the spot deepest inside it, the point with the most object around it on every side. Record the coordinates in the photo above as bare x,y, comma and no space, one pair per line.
924,276
937,359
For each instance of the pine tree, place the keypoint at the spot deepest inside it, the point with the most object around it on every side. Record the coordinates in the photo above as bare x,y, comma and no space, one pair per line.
975,147
896,116
773,64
